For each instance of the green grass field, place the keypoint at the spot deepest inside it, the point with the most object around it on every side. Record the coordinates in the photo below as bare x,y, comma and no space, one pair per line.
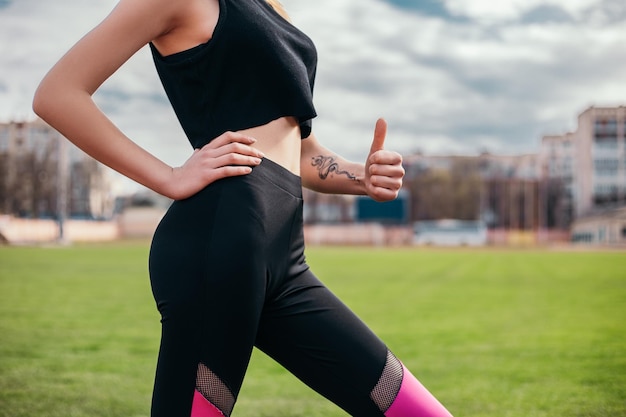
505,333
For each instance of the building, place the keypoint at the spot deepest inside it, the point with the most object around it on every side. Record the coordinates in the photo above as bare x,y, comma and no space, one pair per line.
448,232
606,228
591,161
601,164
558,160
327,208
42,175
501,190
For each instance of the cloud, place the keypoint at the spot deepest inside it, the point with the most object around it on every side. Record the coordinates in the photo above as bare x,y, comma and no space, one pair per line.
546,14
487,11
517,70
453,76
35,34
435,8
40,32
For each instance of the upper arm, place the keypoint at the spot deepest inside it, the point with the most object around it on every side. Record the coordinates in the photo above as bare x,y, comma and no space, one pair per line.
130,26
310,148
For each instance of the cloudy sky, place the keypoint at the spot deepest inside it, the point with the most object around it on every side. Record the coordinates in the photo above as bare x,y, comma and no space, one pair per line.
450,76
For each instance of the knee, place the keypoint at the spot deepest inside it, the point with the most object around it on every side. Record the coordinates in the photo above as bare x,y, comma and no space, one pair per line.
212,398
399,394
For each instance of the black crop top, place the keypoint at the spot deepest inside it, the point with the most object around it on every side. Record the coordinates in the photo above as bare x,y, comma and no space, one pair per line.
256,68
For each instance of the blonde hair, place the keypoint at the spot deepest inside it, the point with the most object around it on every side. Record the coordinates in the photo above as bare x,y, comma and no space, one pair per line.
279,8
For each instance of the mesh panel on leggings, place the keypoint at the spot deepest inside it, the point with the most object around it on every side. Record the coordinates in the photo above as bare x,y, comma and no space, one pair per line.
214,390
388,385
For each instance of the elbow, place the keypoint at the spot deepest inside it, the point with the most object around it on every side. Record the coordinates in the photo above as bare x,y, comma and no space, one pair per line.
47,98
41,102
52,101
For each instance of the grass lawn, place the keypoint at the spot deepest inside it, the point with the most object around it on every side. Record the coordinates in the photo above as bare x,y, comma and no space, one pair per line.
505,333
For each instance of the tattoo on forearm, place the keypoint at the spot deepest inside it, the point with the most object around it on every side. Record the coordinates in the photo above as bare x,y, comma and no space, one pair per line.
326,165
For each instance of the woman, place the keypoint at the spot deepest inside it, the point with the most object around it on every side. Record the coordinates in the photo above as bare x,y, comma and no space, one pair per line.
226,264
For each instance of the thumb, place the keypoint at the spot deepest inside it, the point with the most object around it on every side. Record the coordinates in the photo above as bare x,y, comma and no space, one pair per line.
380,132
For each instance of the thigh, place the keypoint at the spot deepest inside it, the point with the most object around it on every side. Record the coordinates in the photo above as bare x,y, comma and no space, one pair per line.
321,341
208,280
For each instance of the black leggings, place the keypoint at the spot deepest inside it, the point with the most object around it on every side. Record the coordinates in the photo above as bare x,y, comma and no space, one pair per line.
228,273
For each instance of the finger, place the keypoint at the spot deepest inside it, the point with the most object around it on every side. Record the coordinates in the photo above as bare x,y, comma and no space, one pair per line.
234,159
232,171
380,132
384,157
240,148
234,147
388,183
382,194
394,171
230,137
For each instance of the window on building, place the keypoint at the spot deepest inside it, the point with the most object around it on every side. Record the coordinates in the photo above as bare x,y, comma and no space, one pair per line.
611,163
606,167
605,127
567,164
605,189
601,190
604,194
582,237
605,143
4,140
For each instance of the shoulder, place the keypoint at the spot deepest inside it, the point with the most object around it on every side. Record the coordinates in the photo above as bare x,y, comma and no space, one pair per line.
189,23
156,17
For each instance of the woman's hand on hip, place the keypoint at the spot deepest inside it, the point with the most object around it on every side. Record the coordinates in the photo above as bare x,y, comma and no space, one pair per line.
383,168
230,154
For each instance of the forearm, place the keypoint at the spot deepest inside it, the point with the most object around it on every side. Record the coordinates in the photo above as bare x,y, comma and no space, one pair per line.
75,116
64,100
326,172
380,177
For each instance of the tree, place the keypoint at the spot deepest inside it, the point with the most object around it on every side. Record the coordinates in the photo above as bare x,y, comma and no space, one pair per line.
453,193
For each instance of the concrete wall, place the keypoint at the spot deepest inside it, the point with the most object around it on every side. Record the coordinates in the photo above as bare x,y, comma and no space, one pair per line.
21,231
134,223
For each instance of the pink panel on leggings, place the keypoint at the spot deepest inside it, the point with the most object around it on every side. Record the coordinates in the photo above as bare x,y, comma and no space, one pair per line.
203,408
413,400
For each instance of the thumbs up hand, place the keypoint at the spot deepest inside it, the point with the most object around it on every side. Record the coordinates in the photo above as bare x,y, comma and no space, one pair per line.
383,169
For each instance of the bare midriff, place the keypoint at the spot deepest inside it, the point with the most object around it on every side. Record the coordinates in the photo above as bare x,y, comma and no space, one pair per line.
280,141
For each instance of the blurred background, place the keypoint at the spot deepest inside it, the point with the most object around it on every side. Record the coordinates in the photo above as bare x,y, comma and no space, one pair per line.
510,117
